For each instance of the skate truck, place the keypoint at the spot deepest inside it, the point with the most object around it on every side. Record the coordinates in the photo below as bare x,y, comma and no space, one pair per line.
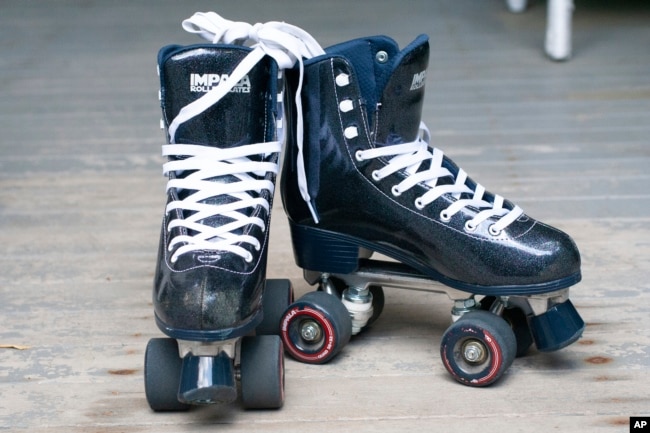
361,177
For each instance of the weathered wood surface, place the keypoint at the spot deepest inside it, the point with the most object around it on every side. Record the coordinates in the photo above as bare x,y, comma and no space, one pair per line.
81,196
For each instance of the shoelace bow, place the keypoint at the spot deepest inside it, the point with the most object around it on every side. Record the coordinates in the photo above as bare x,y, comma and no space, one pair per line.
410,156
287,45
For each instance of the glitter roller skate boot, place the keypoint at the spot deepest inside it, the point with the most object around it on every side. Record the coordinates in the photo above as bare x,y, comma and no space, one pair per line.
360,177
221,108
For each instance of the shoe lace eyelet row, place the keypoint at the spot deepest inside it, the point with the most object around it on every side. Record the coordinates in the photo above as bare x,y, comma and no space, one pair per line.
345,106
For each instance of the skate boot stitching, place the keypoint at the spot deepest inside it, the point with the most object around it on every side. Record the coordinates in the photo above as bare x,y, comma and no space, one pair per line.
287,45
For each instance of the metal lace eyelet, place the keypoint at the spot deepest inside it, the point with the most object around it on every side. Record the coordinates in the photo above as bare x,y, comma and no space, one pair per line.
444,216
493,231
358,155
346,105
396,191
375,175
469,227
342,80
351,132
381,56
418,203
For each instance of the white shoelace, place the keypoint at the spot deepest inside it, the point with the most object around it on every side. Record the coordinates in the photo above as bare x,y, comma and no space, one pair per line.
410,156
287,45
206,163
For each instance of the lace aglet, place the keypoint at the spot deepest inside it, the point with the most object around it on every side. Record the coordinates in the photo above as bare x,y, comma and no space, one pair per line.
314,214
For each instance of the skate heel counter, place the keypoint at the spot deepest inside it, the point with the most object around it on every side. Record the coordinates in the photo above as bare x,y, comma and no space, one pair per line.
324,251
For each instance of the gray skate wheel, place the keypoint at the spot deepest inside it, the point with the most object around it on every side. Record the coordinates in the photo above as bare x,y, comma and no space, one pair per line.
278,295
516,318
162,370
315,328
262,372
478,348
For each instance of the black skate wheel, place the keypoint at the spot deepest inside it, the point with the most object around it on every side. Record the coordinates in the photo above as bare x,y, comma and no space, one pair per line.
478,348
262,372
162,368
517,320
315,328
278,295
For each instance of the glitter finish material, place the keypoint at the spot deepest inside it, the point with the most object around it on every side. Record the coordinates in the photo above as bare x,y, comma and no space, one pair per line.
381,97
211,294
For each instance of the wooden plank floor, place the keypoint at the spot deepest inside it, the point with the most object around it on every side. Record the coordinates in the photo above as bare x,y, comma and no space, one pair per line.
81,197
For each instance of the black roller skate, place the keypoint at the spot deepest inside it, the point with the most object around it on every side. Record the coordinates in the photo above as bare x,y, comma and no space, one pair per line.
221,109
367,180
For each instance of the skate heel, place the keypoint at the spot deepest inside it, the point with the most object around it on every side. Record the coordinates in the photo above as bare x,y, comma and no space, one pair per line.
321,250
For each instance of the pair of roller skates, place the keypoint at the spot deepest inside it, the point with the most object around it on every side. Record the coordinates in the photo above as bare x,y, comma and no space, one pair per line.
359,177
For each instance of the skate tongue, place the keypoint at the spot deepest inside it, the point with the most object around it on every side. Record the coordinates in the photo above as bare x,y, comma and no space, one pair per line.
286,44
188,73
400,108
